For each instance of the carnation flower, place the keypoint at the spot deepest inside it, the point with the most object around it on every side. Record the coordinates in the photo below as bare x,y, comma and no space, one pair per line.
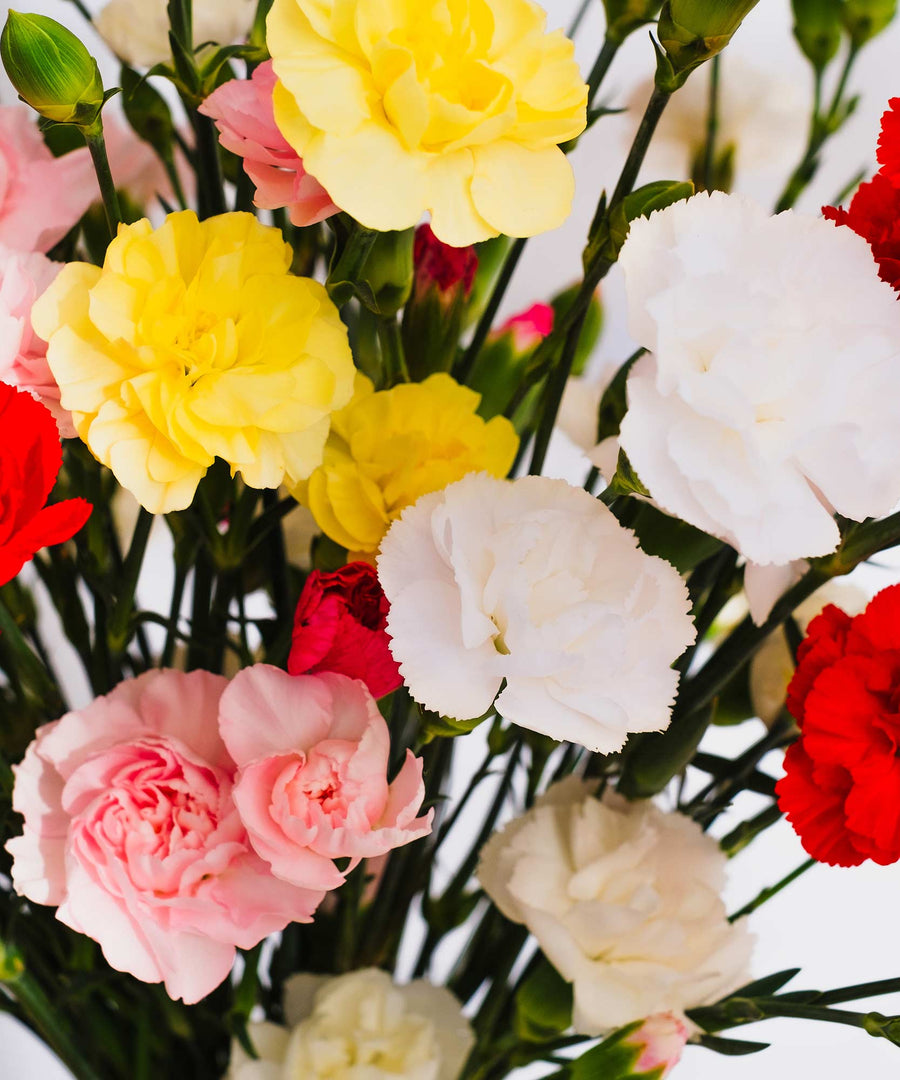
138,30
312,753
533,582
23,355
387,449
442,268
529,328
346,1026
41,197
874,212
624,900
841,791
194,342
457,111
243,112
768,395
772,666
341,625
661,1039
30,459
131,830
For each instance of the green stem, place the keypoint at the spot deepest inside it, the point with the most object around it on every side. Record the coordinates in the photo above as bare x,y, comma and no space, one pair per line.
97,146
580,14
601,66
861,990
773,890
210,180
513,256
571,327
131,571
712,123
747,831
392,353
31,667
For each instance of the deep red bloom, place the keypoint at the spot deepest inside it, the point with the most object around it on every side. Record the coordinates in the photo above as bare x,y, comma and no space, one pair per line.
340,626
889,142
441,265
841,791
30,459
874,211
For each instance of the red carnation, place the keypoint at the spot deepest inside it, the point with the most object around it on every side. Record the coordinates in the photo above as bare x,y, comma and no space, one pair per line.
874,212
340,626
841,791
441,265
30,459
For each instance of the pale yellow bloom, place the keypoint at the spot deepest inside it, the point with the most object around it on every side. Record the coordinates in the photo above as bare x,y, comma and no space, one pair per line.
387,449
452,106
194,342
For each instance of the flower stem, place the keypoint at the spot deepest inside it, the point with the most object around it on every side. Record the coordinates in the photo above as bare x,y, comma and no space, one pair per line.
712,123
392,353
773,890
571,326
97,146
601,66
131,571
210,178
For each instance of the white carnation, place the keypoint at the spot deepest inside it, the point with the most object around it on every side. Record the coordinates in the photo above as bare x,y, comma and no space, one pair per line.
769,399
361,1024
624,900
138,30
534,582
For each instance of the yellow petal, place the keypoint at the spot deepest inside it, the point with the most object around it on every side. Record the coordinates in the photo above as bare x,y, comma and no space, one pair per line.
522,192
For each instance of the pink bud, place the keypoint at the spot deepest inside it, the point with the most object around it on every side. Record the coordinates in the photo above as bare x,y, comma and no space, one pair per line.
529,328
663,1038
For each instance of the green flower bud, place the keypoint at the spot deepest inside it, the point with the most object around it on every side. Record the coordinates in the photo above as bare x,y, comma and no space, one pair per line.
865,19
51,69
623,17
693,31
817,28
388,270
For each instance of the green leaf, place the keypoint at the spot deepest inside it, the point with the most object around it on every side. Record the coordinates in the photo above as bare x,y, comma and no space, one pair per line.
770,984
543,1005
613,1059
614,404
444,727
651,760
626,481
656,196
147,112
731,1047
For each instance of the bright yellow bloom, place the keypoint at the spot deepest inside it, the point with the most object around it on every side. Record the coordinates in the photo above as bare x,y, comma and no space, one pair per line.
191,343
452,106
387,449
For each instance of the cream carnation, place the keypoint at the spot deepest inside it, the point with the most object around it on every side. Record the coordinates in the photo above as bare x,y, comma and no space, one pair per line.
359,1025
768,402
624,900
138,30
533,582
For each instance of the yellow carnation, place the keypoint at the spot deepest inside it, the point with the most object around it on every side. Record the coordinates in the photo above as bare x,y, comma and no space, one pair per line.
387,449
452,106
194,342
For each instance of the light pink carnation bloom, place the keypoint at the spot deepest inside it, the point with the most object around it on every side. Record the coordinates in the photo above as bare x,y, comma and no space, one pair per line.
131,829
313,756
23,355
662,1038
242,110
41,197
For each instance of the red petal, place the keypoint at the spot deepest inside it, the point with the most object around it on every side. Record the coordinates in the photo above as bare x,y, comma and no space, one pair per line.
52,525
813,797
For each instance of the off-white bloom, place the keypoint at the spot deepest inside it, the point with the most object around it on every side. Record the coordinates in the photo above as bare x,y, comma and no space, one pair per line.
769,399
624,900
138,30
772,668
578,420
359,1025
762,116
534,582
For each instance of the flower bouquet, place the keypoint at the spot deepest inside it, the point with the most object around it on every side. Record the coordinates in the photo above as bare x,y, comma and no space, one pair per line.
338,740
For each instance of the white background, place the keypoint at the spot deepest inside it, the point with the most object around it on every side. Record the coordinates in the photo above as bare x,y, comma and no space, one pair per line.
840,926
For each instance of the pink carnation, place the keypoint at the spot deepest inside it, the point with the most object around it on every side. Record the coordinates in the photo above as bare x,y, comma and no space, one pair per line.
313,756
131,829
662,1039
41,197
23,355
244,115
529,328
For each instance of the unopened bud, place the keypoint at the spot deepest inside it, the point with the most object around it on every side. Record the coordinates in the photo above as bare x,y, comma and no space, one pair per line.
51,69
388,270
817,28
661,1039
693,31
866,19
503,358
623,17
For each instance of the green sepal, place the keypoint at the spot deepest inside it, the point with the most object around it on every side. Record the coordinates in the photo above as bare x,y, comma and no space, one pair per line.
543,1005
626,481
